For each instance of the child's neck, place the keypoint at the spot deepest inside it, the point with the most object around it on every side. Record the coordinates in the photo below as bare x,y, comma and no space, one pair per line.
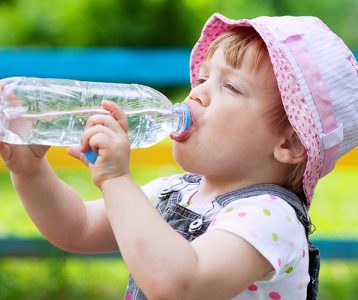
210,188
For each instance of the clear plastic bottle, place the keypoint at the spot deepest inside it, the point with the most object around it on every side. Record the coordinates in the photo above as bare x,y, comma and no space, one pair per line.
54,111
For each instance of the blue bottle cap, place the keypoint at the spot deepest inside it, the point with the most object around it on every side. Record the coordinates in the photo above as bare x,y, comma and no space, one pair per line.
187,117
91,156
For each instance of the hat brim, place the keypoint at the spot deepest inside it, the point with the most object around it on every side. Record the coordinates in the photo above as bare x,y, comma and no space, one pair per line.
292,96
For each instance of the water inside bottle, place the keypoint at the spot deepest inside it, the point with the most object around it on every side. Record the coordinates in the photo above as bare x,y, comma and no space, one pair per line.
64,128
147,127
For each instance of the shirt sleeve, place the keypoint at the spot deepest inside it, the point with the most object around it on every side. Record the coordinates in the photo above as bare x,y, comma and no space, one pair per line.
153,188
270,225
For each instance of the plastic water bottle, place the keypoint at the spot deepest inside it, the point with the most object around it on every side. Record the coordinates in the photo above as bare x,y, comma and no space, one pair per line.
54,111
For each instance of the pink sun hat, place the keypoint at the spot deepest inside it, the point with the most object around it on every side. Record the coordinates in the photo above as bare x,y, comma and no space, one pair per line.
317,76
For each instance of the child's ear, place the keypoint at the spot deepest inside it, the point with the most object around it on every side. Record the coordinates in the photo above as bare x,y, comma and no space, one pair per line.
290,150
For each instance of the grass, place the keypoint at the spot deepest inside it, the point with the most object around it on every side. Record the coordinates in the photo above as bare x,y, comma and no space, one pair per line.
62,278
333,212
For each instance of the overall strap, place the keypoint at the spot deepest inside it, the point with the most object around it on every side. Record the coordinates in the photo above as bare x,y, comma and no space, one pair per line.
275,190
255,190
301,212
176,216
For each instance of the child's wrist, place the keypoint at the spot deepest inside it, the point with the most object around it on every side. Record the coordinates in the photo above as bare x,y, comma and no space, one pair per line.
115,182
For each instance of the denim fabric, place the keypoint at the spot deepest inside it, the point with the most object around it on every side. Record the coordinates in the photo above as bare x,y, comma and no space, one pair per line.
180,218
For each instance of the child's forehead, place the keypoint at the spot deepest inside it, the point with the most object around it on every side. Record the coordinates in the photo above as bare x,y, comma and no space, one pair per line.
262,74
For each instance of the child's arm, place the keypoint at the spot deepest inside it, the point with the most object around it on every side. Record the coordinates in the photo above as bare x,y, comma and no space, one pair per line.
55,208
218,265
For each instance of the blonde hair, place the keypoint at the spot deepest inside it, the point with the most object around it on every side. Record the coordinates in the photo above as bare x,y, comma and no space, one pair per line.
245,42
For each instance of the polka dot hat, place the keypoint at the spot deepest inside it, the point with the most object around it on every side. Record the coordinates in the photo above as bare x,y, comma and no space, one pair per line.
317,76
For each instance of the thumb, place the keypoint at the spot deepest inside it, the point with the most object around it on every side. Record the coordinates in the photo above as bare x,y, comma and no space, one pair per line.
75,151
5,151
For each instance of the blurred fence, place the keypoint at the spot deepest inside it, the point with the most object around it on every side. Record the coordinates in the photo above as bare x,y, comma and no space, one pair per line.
38,247
154,67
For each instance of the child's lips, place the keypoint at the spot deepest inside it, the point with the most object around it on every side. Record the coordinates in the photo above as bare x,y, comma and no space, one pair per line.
181,137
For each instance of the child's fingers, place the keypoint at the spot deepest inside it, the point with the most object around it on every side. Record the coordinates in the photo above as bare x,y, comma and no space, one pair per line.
99,141
106,126
116,113
10,98
104,120
75,151
90,132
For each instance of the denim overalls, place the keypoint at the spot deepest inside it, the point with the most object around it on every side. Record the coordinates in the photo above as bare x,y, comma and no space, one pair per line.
180,218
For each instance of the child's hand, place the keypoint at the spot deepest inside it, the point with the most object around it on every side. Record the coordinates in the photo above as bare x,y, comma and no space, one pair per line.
22,159
107,136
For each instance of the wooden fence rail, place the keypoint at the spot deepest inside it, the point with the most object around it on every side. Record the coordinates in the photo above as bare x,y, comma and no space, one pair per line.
37,247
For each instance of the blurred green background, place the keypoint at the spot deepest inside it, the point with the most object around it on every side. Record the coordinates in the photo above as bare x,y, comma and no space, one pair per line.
149,23
154,23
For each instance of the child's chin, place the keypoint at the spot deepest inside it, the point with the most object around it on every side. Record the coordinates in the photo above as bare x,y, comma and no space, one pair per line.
183,156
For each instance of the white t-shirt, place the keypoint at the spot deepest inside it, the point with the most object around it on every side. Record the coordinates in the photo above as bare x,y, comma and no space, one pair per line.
270,225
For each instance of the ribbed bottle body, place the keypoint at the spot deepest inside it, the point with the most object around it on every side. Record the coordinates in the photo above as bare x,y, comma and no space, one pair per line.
55,111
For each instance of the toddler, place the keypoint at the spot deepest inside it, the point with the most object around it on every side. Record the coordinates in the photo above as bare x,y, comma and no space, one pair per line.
274,103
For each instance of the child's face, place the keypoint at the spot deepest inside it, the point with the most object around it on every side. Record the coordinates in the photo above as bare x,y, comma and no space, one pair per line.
230,136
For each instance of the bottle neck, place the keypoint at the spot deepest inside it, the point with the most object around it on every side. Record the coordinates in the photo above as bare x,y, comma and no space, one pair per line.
182,118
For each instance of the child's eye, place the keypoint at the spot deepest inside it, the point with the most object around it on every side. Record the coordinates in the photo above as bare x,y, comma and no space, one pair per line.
231,88
199,81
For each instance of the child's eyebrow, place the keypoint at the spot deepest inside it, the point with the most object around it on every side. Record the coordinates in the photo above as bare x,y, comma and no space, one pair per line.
204,67
245,81
242,77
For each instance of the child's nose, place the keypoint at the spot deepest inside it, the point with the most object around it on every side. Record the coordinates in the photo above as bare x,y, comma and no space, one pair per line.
200,95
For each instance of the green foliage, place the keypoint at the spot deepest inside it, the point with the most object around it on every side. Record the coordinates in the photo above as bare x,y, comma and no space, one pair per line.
338,280
69,279
75,279
94,23
58,279
149,23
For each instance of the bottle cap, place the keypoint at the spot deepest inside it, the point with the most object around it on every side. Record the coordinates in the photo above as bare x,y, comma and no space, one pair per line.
187,116
91,156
